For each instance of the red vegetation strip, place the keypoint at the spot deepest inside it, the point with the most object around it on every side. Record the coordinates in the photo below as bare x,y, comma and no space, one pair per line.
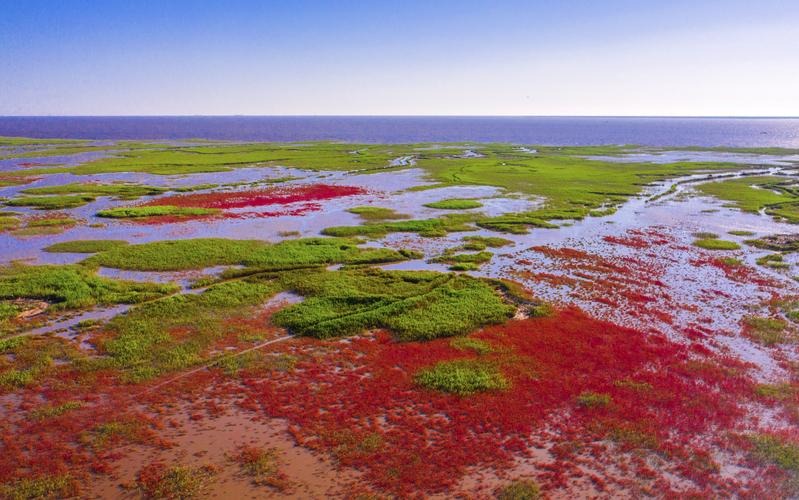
260,197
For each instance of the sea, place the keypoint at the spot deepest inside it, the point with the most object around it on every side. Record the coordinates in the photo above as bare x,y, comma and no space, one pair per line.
534,130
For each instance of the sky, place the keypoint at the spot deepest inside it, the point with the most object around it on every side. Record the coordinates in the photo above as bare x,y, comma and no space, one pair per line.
409,57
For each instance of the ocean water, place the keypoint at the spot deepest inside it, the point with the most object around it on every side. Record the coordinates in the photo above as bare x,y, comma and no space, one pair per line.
578,131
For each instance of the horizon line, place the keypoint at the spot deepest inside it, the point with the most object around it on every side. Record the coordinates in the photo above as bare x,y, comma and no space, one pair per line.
789,117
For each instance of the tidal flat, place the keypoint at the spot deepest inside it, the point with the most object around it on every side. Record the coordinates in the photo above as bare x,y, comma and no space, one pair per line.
189,319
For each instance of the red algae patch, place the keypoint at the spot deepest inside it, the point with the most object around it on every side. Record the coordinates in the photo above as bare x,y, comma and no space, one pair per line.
657,397
260,197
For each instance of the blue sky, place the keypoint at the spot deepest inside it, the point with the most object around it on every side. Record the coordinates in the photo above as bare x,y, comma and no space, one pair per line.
558,57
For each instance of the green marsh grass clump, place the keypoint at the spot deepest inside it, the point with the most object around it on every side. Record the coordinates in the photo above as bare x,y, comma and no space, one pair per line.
50,202
376,213
488,241
471,344
705,235
454,204
423,227
84,246
125,191
158,481
73,286
199,253
741,233
767,331
52,411
520,490
55,486
716,244
464,266
774,261
461,377
770,449
419,305
779,392
142,342
593,400
464,258
261,466
155,211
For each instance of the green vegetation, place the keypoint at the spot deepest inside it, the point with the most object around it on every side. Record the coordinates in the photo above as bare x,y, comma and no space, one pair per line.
774,261
471,344
413,305
464,258
771,449
177,482
593,400
705,235
767,331
376,213
72,286
454,204
126,191
208,252
777,196
84,246
58,486
741,233
423,227
461,377
174,333
49,202
715,244
777,243
36,226
780,392
464,266
487,241
155,211
49,411
261,466
520,490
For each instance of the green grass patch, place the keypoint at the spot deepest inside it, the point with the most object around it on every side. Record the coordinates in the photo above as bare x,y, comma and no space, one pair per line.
423,227
155,211
773,450
127,191
376,213
55,486
413,305
471,344
176,482
461,377
705,235
716,244
767,331
741,233
73,286
465,258
84,246
175,333
488,241
208,252
464,266
50,202
52,411
520,490
454,204
774,261
593,400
